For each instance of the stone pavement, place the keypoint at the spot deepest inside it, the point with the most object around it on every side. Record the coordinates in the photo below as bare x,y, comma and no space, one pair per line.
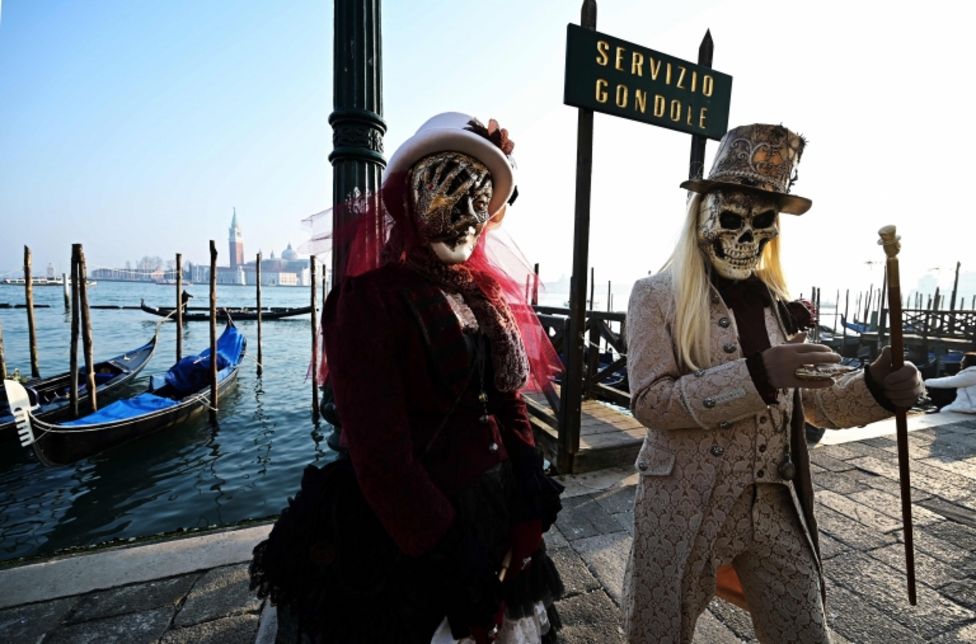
195,589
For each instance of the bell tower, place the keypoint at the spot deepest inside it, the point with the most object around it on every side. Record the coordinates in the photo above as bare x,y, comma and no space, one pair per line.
235,242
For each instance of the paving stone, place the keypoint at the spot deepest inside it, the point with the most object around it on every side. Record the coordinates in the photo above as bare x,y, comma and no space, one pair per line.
28,623
943,550
576,577
830,547
626,519
709,630
949,510
890,505
962,536
884,587
823,458
162,593
966,468
883,475
590,618
865,448
834,453
219,593
928,569
582,517
851,532
963,592
881,442
858,620
606,555
838,482
133,628
617,500
965,634
863,514
555,539
227,630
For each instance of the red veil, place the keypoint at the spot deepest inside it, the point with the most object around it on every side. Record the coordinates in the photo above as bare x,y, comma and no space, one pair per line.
376,230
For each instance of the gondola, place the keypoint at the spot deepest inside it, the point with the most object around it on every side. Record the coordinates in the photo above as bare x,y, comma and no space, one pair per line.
183,393
50,397
200,314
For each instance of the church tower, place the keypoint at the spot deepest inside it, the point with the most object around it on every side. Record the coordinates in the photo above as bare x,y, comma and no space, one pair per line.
236,243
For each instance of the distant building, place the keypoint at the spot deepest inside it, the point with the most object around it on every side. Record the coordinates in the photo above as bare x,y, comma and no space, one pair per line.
235,243
288,270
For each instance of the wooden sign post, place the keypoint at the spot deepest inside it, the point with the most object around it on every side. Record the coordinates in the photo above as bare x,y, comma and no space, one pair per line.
613,76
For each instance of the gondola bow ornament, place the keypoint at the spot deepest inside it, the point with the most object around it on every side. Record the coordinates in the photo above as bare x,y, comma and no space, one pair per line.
890,241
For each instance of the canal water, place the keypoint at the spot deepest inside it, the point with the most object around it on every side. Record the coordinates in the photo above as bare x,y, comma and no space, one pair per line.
193,476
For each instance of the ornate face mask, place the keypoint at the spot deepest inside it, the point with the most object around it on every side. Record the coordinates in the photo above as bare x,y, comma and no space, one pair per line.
733,229
449,195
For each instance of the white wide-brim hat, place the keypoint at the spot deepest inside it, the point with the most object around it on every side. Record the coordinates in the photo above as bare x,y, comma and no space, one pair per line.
447,132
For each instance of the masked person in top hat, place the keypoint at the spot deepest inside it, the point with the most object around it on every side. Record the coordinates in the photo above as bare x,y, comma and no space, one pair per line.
428,346
722,378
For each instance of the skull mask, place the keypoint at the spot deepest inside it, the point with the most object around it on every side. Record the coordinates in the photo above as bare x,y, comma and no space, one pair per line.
733,229
449,193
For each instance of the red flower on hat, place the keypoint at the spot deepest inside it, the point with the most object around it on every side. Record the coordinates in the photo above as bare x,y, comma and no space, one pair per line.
499,136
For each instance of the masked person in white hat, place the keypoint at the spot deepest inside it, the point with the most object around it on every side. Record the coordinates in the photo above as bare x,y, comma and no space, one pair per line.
438,535
722,378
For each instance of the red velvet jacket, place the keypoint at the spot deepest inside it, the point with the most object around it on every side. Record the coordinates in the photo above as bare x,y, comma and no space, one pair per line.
398,364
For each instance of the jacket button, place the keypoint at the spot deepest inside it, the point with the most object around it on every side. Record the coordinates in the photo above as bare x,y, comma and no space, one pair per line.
724,424
762,448
709,403
728,347
642,466
717,450
699,373
763,419
493,447
760,474
724,322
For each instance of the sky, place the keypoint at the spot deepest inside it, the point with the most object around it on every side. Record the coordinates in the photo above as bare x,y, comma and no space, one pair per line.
137,127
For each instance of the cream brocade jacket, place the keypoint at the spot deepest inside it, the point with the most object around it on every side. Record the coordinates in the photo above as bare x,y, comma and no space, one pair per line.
709,435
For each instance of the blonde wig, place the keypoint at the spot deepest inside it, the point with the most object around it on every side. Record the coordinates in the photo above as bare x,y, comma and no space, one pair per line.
691,289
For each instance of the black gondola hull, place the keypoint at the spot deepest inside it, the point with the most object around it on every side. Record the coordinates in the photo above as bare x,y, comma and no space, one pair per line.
59,445
54,405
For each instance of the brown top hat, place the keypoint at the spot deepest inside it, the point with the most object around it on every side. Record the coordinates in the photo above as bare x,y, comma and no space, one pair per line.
757,158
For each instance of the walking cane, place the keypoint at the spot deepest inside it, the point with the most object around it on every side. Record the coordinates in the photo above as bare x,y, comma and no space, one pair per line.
890,241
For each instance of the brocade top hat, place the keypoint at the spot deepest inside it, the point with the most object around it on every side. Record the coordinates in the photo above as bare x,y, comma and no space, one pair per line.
457,132
757,158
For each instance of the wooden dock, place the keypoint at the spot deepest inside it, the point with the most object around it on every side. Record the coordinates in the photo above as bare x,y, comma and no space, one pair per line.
609,434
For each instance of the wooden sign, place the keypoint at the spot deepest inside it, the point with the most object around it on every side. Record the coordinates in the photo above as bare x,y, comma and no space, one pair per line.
610,75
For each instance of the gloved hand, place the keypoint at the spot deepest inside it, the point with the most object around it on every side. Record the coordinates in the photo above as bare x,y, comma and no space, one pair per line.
901,387
781,363
526,540
472,591
485,635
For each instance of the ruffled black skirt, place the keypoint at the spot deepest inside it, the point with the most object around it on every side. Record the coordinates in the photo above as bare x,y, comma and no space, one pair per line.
337,577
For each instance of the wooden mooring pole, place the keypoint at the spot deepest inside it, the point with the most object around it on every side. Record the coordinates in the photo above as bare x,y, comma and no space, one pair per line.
179,306
315,344
257,286
535,284
213,333
64,289
75,323
29,302
86,329
571,395
3,357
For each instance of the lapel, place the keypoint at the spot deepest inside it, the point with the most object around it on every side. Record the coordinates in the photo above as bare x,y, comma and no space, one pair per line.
440,332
